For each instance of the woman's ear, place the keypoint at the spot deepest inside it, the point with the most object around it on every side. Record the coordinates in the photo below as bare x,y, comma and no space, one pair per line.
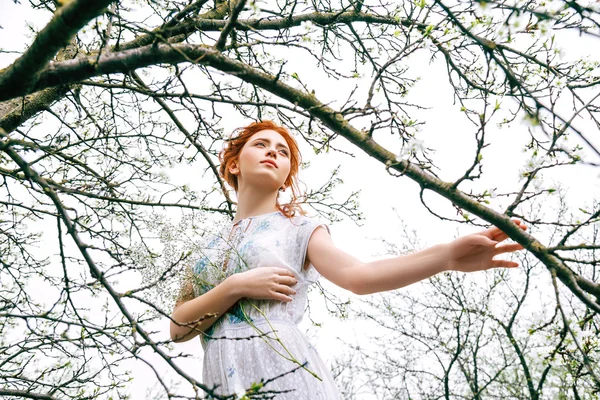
233,168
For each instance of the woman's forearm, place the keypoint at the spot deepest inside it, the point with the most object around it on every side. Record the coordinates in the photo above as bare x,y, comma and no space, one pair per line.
394,273
216,301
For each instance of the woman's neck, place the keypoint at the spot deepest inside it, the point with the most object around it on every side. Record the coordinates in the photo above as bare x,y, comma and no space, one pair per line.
252,203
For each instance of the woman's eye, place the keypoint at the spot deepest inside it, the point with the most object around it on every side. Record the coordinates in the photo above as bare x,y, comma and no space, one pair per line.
284,152
260,144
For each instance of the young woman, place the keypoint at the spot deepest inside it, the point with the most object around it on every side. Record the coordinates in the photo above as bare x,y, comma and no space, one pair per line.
248,292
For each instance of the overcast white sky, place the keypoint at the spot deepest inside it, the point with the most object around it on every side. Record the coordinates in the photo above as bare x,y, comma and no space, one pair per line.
446,131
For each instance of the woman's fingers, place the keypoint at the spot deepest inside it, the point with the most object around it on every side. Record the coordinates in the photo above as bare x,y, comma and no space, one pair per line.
283,271
284,280
283,293
504,264
496,234
287,280
507,248
285,289
281,297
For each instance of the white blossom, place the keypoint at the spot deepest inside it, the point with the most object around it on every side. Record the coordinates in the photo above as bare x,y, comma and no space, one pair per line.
545,26
481,8
414,36
517,21
428,44
239,391
255,8
554,6
535,162
411,148
586,334
310,31
308,26
502,32
537,184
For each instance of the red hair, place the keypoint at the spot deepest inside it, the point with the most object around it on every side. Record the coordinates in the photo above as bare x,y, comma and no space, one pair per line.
233,148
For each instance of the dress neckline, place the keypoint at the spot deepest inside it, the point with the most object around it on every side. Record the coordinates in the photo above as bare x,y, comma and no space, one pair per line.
255,216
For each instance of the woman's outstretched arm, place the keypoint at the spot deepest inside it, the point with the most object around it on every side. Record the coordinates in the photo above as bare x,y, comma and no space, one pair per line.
469,253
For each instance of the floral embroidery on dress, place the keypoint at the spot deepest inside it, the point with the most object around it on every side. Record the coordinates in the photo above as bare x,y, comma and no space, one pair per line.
201,283
236,314
230,371
245,253
200,265
257,340
262,226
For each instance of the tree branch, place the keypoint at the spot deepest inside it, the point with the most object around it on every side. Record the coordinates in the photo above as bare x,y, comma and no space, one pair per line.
25,394
75,70
320,18
15,113
67,21
95,271
233,16
194,142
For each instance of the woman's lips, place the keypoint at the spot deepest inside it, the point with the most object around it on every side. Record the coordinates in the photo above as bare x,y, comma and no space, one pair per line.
269,162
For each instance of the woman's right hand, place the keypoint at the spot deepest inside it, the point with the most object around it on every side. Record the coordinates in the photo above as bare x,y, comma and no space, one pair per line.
266,283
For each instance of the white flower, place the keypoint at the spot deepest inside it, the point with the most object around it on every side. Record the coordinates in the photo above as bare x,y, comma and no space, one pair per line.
481,8
239,391
545,26
586,334
535,162
411,148
428,44
563,146
554,6
310,31
255,8
307,26
414,36
502,32
517,21
537,184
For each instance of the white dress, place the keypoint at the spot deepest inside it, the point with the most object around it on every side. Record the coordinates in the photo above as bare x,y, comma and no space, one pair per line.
257,342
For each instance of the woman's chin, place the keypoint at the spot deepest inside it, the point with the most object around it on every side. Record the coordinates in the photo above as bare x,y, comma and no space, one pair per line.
264,184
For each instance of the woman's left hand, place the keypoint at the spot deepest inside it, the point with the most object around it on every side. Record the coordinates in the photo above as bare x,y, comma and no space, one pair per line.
476,252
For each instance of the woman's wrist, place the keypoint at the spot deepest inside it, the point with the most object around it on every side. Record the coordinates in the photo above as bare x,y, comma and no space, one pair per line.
446,253
234,286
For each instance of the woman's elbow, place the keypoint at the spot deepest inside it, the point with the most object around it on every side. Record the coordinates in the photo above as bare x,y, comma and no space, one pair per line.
360,289
179,333
357,281
175,332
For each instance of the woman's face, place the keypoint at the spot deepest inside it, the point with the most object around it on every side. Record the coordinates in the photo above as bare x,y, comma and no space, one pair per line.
264,161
